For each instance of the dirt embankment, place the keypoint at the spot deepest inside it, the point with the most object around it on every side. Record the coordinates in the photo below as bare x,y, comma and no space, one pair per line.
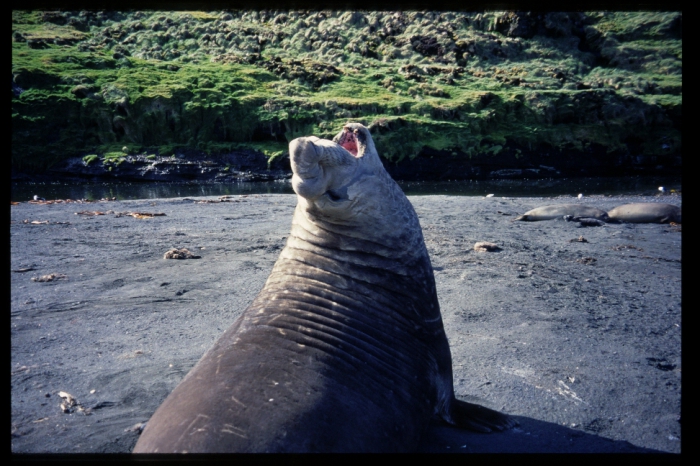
574,331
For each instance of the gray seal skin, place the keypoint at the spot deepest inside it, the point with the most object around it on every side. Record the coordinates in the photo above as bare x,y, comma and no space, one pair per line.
560,210
646,212
344,349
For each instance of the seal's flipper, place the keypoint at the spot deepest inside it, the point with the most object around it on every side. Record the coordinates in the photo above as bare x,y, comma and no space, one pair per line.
480,419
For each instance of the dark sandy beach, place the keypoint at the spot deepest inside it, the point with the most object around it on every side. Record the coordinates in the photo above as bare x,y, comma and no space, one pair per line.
575,331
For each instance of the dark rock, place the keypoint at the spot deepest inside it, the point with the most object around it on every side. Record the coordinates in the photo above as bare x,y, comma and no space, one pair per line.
37,44
16,90
427,46
590,222
517,24
82,91
55,17
240,165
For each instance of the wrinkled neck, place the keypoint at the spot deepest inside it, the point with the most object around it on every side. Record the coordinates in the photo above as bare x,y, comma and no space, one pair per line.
398,267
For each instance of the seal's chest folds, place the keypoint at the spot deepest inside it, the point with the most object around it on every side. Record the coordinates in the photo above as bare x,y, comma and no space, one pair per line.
343,350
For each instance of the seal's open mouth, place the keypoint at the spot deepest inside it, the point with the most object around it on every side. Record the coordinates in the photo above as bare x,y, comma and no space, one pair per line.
348,140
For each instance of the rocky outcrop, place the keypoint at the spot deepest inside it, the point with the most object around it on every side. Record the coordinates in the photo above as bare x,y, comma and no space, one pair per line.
237,166
430,165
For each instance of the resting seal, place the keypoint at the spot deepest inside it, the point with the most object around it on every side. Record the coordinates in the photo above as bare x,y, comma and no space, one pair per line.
646,212
560,210
344,349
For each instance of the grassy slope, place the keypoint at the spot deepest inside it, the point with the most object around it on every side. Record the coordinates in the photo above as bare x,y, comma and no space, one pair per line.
474,84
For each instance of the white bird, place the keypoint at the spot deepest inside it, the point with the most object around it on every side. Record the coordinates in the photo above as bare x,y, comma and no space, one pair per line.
489,195
37,198
580,196
662,189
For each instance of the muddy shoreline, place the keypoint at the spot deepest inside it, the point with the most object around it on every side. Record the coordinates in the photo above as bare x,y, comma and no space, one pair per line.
579,340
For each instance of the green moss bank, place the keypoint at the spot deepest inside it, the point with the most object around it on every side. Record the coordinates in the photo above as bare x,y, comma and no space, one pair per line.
473,86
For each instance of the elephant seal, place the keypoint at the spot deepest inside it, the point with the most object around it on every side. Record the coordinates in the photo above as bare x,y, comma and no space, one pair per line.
646,212
560,210
343,350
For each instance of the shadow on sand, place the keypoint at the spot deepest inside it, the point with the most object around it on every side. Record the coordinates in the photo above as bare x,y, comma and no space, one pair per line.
530,436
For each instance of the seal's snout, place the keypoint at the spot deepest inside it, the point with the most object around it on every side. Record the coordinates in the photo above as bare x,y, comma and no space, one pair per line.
317,165
307,179
304,157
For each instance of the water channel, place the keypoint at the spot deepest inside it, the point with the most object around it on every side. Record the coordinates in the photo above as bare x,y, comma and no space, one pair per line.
642,185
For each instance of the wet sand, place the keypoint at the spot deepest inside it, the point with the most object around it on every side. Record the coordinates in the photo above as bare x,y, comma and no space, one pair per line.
579,340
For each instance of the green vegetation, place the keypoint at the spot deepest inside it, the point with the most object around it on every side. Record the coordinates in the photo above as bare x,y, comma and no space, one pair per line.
116,158
88,159
473,84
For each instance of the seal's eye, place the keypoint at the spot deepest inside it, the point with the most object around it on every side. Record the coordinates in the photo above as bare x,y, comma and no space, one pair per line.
333,196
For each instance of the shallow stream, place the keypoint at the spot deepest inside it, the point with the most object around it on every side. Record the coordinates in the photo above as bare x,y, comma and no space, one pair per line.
646,185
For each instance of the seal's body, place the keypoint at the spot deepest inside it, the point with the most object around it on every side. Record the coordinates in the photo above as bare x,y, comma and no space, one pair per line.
344,349
646,212
560,210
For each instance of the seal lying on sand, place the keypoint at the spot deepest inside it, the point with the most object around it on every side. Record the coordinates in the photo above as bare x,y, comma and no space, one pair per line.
344,349
560,210
646,212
